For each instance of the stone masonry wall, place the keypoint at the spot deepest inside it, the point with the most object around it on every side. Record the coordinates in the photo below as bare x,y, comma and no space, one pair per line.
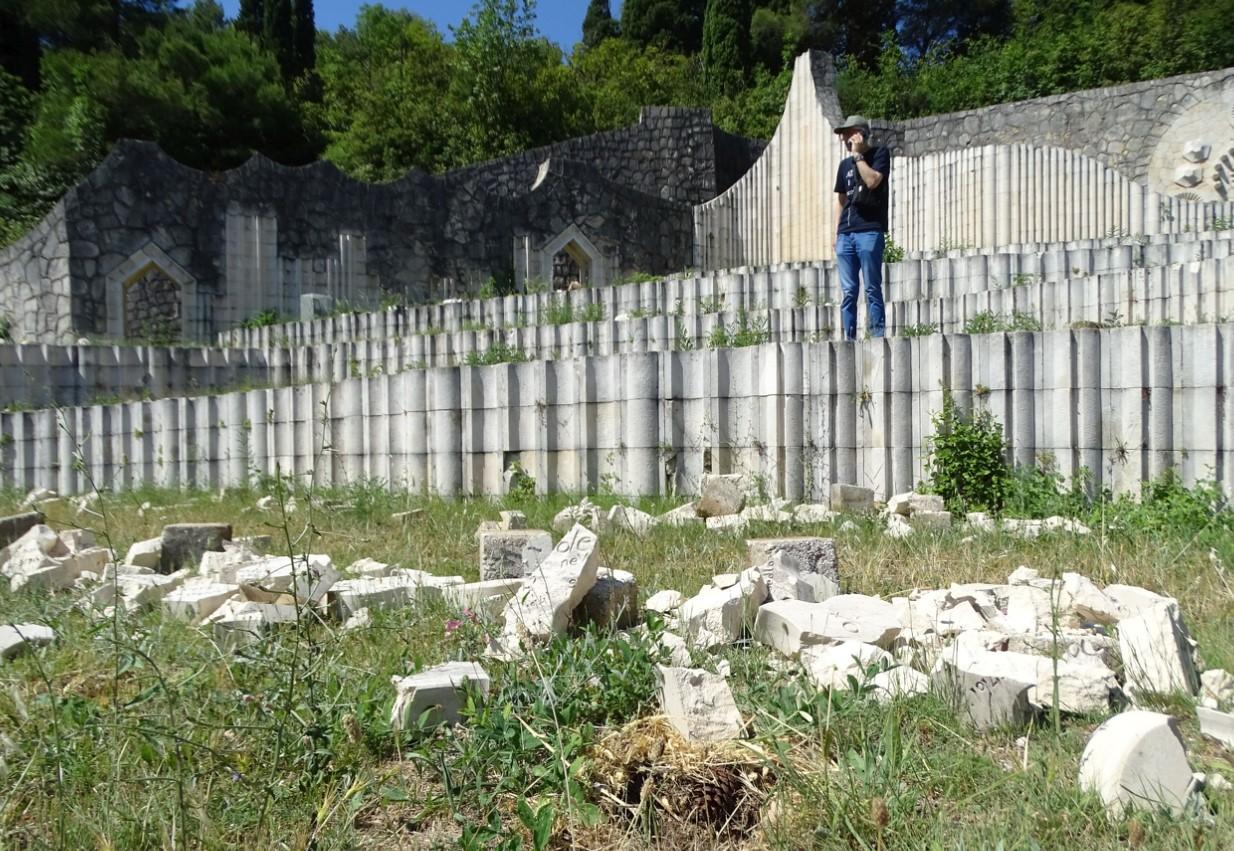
35,300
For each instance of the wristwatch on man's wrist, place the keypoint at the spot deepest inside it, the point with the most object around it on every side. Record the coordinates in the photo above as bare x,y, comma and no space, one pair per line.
857,157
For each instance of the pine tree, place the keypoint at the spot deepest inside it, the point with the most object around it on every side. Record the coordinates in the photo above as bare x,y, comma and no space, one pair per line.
252,17
726,46
304,38
598,24
277,34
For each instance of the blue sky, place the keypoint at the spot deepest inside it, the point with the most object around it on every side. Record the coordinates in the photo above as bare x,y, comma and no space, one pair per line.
560,20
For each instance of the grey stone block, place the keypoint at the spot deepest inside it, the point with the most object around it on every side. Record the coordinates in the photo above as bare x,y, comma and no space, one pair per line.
16,525
512,553
184,543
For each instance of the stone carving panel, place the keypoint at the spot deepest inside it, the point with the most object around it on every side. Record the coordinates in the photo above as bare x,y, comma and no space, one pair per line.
152,306
1195,157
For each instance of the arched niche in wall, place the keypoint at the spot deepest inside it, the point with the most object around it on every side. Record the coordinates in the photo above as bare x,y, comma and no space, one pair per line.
572,253
150,296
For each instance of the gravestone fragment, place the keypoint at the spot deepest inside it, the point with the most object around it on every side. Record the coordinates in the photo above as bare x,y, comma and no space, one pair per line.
184,543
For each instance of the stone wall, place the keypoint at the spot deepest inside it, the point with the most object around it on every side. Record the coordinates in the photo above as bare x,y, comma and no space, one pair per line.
800,416
260,236
35,289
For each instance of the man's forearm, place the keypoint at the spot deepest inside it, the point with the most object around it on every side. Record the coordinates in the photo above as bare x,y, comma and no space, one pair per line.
868,175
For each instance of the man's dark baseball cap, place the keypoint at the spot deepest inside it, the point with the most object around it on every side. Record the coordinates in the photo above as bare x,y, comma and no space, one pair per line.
855,122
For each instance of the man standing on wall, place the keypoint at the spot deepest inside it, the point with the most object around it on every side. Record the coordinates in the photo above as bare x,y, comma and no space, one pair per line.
861,224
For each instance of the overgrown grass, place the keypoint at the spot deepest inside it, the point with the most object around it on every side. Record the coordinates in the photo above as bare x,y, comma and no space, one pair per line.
151,737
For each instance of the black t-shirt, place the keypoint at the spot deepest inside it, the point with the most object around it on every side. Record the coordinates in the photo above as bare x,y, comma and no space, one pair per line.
874,218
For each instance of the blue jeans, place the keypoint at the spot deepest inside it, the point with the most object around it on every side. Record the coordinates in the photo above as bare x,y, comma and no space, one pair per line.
861,252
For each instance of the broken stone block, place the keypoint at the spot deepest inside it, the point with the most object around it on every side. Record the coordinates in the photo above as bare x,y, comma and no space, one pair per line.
899,682
145,553
367,568
1070,645
813,513
542,606
13,527
196,600
348,596
486,598
438,691
930,521
77,539
629,519
727,523
1064,524
406,516
513,520
1137,759
1083,687
1132,600
725,580
138,590
611,603
908,504
513,553
765,514
1082,598
240,623
1196,151
17,638
987,701
223,566
851,499
585,513
959,618
664,601
682,515
699,704
786,580
183,544
1216,688
897,528
721,496
678,651
38,496
1029,610
307,577
979,521
362,619
1189,176
1157,652
832,665
717,616
813,555
789,625
1216,725
1023,575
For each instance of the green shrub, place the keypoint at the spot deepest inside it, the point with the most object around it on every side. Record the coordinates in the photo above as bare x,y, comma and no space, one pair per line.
749,332
892,253
923,330
263,319
967,459
497,353
593,312
558,312
985,322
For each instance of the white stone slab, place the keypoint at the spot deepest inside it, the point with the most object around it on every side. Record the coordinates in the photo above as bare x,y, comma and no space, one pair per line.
1137,760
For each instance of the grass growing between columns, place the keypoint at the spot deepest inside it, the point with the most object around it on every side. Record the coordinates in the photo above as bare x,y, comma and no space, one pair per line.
160,739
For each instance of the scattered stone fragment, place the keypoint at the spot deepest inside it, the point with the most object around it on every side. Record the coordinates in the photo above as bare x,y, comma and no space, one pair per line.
987,701
404,516
725,580
1029,610
1216,688
630,519
486,598
1023,575
664,601
239,623
899,682
1082,686
136,590
721,496
699,704
765,514
813,513
368,568
717,616
348,596
223,566
787,580
1157,652
1137,759
727,523
682,515
513,520
832,665
183,544
145,553
930,521
510,554
307,578
1216,725
439,691
16,638
15,526
38,496
585,513
851,499
678,651
910,503
266,503
542,606
195,600
898,528
1133,600
1083,599
789,625
1070,645
980,521
813,555
611,603
361,619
